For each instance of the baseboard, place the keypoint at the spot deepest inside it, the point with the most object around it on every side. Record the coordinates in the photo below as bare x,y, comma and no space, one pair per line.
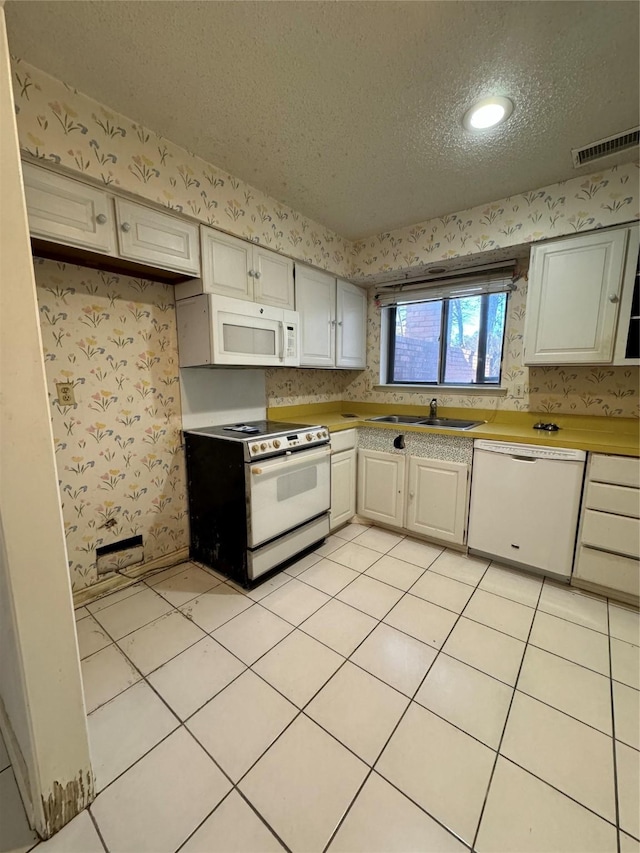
616,595
120,581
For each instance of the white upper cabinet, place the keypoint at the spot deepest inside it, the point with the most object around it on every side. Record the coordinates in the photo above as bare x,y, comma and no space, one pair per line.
333,320
437,499
351,326
316,304
226,266
273,278
627,349
234,267
158,239
573,297
66,211
71,213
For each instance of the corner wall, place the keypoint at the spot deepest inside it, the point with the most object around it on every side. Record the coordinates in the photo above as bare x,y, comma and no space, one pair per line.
42,711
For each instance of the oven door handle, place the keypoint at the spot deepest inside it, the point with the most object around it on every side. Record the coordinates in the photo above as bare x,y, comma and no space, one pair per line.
298,458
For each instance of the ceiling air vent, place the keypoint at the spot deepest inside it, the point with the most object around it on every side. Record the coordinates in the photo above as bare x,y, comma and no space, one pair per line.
605,147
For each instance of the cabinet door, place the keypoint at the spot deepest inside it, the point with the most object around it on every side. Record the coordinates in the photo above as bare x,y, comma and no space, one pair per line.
343,488
437,499
627,349
316,303
156,238
351,329
572,302
381,486
273,278
226,264
66,211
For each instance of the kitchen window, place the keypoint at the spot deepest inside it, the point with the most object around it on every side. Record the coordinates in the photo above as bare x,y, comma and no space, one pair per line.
444,335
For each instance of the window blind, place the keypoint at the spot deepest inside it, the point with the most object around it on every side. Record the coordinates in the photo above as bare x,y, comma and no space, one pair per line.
472,283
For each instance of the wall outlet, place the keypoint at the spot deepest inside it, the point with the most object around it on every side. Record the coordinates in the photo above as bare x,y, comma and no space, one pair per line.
517,391
66,396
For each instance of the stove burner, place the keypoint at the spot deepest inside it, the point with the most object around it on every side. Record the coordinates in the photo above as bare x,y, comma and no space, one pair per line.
246,428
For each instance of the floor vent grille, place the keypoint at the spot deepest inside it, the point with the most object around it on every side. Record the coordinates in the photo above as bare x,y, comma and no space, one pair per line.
605,147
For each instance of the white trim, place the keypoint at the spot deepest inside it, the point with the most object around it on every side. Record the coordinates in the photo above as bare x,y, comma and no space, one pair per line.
469,390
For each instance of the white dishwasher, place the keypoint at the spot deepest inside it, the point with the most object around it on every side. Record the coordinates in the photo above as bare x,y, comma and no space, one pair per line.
525,501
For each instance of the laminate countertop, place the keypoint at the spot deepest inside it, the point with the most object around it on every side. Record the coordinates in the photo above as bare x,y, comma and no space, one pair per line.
619,436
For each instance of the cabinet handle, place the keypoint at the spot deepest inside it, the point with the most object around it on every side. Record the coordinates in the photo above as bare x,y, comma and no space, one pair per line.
258,274
332,322
613,297
339,322
412,495
252,273
101,219
125,226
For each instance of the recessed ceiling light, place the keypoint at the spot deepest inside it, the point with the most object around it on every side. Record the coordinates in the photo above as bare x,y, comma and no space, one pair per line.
487,113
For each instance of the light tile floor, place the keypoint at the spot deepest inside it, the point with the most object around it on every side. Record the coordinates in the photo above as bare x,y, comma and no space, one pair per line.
379,695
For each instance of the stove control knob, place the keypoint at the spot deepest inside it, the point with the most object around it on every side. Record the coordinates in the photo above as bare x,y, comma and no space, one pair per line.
263,446
254,448
309,436
276,444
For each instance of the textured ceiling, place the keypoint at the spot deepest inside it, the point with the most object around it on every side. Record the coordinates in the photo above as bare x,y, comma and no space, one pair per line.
351,112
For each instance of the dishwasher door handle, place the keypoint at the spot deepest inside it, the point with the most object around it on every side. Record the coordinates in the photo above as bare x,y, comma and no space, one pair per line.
524,458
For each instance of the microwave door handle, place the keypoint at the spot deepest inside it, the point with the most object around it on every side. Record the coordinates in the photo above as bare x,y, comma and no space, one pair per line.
283,337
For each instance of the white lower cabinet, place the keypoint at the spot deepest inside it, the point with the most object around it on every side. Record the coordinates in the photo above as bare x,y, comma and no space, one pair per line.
343,477
381,492
426,496
609,538
343,488
437,499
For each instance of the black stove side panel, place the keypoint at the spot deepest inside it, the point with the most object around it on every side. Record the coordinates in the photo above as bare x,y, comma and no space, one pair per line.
217,504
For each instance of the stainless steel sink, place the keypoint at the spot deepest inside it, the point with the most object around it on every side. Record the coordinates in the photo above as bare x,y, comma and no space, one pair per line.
416,420
398,419
449,423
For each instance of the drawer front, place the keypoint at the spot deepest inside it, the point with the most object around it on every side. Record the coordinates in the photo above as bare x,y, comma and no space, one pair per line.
621,470
621,573
611,532
620,500
344,440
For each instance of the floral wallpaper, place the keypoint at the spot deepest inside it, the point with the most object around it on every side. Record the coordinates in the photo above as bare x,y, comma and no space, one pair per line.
291,386
610,197
603,390
118,449
61,125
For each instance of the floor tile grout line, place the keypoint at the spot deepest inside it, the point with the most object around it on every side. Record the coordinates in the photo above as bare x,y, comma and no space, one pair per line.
559,791
506,722
402,716
96,827
561,711
301,711
613,733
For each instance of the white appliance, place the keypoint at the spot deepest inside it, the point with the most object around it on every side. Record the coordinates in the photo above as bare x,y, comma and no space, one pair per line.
218,330
525,501
259,494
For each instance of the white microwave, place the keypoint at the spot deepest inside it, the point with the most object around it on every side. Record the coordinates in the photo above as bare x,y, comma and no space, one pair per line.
218,330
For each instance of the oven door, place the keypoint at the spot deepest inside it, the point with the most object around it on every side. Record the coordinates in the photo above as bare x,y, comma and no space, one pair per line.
285,492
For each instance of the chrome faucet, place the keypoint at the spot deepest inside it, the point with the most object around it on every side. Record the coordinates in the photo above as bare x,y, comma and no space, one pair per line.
433,408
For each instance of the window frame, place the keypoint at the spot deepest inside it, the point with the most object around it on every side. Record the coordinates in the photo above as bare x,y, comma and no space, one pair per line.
389,313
